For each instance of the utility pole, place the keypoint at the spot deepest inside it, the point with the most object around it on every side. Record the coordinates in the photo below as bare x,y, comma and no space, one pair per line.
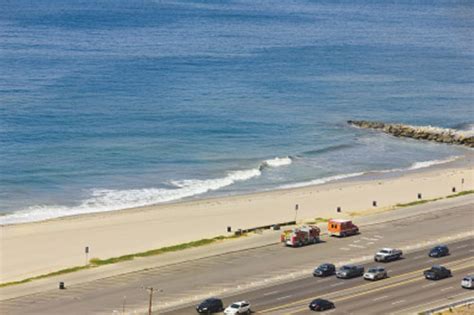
296,211
150,289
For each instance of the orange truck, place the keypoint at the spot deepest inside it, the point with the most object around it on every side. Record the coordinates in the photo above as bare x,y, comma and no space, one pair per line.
299,236
341,228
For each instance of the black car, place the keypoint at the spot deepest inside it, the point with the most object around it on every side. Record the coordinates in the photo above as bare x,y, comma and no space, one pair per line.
208,306
324,270
437,272
439,251
321,305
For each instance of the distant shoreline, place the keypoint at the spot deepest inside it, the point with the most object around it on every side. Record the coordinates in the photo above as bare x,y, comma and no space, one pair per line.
418,167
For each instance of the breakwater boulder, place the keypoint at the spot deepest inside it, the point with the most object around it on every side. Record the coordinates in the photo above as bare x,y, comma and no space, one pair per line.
442,135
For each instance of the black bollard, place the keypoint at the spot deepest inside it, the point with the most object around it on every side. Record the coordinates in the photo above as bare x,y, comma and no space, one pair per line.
454,189
374,203
61,286
229,229
338,209
419,196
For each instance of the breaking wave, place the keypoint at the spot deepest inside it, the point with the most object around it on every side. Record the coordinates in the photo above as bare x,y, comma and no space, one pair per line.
419,165
276,162
320,181
101,200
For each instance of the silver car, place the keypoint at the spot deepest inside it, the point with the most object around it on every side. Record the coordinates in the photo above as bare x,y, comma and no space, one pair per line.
375,273
468,282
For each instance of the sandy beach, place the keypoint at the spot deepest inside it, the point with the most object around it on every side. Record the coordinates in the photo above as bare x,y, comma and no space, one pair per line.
37,248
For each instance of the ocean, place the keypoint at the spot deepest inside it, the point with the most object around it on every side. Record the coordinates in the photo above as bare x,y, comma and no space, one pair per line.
113,104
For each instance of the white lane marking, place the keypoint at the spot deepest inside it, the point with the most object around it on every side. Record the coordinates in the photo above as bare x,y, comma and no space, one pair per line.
344,248
324,280
270,293
357,246
463,246
369,239
370,243
378,236
429,285
380,298
419,257
390,270
398,302
471,251
284,297
336,284
445,289
356,241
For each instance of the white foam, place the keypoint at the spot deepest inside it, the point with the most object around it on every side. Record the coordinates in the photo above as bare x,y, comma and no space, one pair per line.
277,162
108,199
424,164
320,181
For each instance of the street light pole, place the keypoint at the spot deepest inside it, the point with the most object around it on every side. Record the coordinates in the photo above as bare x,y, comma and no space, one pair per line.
296,211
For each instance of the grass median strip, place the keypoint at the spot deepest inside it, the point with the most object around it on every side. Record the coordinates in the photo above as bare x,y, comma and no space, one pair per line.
96,262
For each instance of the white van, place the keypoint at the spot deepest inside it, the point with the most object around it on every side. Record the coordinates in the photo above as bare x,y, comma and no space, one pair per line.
468,282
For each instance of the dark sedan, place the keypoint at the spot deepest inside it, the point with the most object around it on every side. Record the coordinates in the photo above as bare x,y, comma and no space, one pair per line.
324,270
439,251
437,273
319,305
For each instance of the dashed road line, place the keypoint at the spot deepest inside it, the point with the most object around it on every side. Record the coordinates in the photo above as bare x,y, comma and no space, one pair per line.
336,284
428,285
270,293
446,289
356,246
284,297
398,302
369,239
344,248
380,298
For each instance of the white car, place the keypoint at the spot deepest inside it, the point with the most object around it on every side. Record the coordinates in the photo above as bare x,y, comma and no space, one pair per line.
388,254
242,307
468,282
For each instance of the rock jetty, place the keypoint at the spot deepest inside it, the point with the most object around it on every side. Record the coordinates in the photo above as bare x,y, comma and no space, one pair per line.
442,135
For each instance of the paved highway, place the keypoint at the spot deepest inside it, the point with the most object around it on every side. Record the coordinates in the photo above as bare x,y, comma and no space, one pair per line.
406,287
269,276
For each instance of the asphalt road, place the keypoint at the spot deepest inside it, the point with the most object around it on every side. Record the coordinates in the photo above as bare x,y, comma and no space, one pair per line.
405,287
269,276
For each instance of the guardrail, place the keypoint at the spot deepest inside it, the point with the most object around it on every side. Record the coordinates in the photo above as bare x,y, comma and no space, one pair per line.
469,301
264,227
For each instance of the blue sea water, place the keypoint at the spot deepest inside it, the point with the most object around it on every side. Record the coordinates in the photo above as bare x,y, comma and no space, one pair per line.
113,104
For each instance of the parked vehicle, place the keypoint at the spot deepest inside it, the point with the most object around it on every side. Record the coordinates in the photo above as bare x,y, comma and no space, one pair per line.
388,254
437,272
341,228
209,306
468,282
350,271
303,235
439,251
324,270
375,273
242,307
321,305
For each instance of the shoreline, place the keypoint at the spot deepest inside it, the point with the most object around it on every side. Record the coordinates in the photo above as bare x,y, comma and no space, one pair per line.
466,160
46,246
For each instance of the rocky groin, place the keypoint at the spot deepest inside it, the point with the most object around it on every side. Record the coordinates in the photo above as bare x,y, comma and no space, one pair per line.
429,133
